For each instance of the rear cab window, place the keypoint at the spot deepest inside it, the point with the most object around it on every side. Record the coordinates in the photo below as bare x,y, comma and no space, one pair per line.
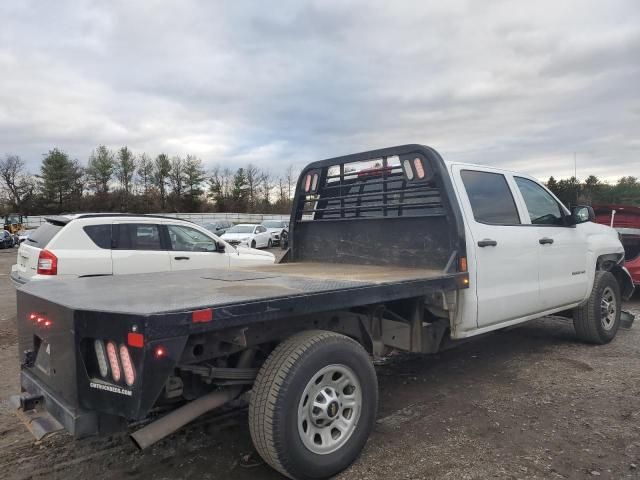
42,235
490,198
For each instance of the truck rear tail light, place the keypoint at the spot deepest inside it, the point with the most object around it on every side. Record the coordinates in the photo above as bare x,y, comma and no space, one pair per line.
314,182
116,374
47,263
160,352
127,366
101,356
307,183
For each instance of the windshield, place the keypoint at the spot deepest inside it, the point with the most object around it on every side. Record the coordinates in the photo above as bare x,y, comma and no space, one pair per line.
273,224
241,229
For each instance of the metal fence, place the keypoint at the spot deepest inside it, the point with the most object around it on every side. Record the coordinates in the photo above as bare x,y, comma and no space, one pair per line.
34,221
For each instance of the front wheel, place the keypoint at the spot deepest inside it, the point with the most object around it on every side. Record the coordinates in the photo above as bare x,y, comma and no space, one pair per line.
253,244
313,405
598,320
269,244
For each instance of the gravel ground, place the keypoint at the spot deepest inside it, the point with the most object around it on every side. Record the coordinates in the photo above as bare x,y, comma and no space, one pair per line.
529,402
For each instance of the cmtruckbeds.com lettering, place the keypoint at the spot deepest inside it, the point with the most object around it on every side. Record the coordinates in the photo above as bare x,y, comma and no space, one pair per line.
111,388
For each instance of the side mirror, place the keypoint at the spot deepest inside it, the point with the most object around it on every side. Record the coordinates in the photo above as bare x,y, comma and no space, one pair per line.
582,214
221,247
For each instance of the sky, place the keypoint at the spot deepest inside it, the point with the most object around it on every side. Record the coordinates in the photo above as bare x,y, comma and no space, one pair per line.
518,85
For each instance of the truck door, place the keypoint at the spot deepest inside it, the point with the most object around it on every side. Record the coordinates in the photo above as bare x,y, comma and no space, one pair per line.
505,252
562,250
138,248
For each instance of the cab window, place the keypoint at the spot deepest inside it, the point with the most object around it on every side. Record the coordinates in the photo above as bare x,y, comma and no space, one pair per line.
189,239
490,198
542,207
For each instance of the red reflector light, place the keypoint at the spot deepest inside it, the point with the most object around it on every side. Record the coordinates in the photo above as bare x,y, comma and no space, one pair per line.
202,316
47,263
113,361
33,316
160,352
135,339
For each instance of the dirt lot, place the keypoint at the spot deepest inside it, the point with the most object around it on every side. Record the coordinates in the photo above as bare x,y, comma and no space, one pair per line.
530,402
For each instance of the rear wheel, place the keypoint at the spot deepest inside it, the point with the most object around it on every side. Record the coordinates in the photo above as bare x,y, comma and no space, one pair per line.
313,405
598,320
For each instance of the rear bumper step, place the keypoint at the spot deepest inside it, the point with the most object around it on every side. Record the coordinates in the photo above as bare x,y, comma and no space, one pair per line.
43,413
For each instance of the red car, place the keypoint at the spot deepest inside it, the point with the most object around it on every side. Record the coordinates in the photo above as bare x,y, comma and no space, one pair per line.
626,220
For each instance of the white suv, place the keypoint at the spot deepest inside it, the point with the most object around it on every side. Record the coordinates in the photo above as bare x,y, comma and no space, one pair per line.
114,244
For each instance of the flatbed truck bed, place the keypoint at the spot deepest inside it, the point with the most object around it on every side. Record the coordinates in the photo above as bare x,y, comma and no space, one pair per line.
246,295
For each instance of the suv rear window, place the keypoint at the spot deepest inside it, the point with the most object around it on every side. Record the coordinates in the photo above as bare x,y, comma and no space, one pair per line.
490,198
100,234
42,235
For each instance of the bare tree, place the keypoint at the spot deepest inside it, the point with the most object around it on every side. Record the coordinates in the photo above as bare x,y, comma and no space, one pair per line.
291,178
15,179
252,177
161,171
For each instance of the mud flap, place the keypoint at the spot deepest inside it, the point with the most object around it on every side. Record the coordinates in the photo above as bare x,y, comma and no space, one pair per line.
626,320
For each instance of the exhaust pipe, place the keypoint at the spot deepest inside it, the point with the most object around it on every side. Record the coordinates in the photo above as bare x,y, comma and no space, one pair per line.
156,431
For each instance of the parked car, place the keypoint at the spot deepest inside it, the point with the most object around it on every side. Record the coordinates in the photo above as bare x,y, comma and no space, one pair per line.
115,244
276,229
6,239
218,227
249,234
418,258
626,220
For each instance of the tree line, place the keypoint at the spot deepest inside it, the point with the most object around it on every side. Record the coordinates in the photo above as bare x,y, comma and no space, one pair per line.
121,181
593,191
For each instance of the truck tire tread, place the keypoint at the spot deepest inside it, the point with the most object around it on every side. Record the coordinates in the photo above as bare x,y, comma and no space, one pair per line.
271,382
586,320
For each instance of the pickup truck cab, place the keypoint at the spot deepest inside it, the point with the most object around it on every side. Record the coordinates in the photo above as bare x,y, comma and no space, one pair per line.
388,249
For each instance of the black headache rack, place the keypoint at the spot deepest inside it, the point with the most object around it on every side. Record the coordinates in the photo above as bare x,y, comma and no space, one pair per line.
394,206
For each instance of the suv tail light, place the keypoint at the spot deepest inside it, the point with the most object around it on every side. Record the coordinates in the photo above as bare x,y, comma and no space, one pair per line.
47,263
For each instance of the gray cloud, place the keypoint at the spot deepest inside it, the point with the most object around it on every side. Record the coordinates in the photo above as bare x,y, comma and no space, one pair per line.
518,85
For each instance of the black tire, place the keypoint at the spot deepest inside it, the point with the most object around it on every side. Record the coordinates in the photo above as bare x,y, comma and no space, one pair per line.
589,319
253,244
269,244
277,397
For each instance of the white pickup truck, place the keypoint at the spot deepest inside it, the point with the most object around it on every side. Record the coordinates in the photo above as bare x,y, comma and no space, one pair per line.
388,249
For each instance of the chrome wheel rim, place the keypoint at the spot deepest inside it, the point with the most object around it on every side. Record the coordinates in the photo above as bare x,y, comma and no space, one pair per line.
329,409
608,309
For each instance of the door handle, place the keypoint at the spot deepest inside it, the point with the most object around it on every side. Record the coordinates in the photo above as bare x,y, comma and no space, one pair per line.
546,241
487,242
181,258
